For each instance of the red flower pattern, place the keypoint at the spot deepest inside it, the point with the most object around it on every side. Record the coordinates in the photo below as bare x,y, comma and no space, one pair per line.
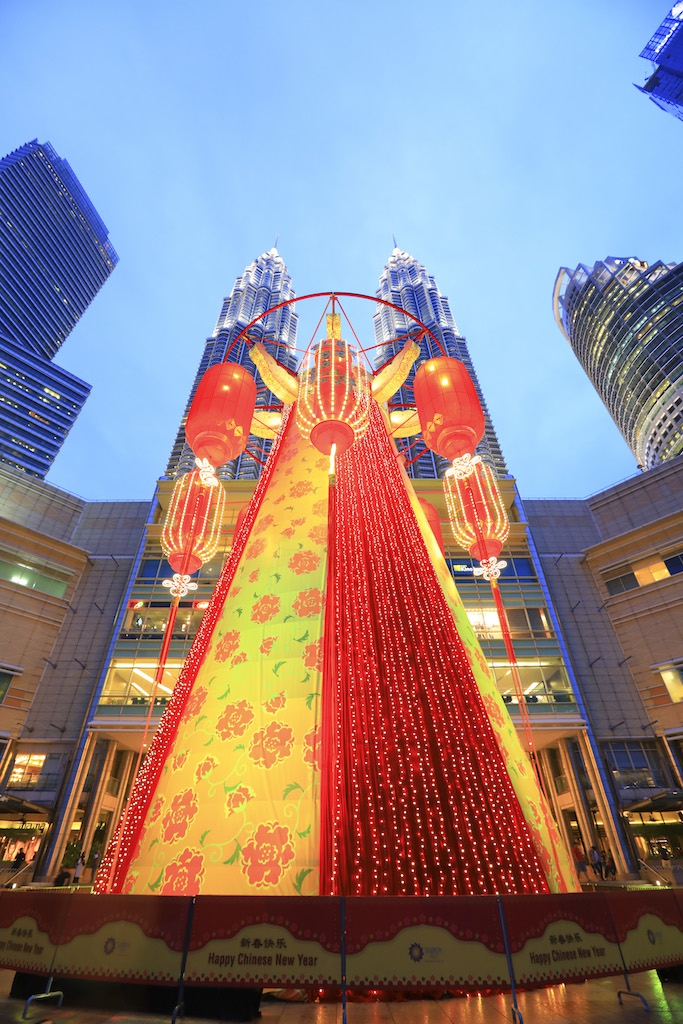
253,576
276,703
308,603
267,854
318,534
237,799
156,810
227,645
194,704
313,654
130,882
274,743
289,532
183,877
304,562
265,608
205,768
312,748
179,760
183,809
255,549
235,720
267,644
320,508
300,488
264,523
239,658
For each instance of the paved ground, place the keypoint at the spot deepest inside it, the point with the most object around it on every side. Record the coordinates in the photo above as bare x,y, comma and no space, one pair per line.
594,1002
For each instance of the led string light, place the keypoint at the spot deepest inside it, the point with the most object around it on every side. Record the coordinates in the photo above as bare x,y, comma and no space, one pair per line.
420,799
115,863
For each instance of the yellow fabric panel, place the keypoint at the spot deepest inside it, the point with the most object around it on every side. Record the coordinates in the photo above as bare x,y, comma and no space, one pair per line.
237,806
547,840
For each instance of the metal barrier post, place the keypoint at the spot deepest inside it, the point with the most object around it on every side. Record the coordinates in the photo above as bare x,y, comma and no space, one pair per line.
47,994
516,1012
179,1008
343,957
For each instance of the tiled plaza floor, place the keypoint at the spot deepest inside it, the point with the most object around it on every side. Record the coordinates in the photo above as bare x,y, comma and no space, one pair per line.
594,1002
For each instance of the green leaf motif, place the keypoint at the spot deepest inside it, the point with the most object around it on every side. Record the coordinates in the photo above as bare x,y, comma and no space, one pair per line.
238,611
277,666
300,879
231,789
309,700
306,832
290,789
276,576
233,859
240,746
153,843
302,639
224,695
208,742
203,836
200,719
155,885
306,677
287,617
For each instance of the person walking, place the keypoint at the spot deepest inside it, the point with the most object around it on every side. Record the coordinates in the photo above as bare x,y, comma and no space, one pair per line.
579,858
78,870
596,861
19,860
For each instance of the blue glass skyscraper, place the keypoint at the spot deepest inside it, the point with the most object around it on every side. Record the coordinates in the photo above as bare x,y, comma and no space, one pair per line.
55,256
264,283
665,50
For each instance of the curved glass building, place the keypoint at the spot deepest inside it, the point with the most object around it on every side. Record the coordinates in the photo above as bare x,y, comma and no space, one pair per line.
624,320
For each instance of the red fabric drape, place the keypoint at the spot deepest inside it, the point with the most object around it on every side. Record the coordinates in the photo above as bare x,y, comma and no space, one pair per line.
417,799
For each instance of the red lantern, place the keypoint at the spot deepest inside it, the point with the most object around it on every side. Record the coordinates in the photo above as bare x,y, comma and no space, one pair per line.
217,427
451,416
191,530
477,514
434,522
333,400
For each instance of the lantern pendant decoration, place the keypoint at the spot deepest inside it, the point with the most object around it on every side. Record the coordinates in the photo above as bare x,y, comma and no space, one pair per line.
333,403
217,427
191,530
477,514
450,413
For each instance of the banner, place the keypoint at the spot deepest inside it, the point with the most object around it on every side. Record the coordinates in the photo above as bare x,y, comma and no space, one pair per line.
30,928
412,942
122,938
562,938
265,940
649,927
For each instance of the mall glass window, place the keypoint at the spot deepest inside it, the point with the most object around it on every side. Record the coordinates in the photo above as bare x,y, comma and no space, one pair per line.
672,677
674,564
34,577
36,771
130,683
620,584
5,683
544,682
636,764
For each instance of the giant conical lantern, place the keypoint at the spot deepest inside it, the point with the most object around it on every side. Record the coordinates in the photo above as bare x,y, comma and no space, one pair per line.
336,728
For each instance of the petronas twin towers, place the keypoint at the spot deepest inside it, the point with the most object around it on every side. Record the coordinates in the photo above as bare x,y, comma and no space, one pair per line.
266,283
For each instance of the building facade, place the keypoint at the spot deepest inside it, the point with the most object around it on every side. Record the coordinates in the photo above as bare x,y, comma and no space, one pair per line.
664,85
596,698
56,256
624,321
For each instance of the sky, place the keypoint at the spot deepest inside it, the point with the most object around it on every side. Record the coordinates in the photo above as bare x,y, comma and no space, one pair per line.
498,142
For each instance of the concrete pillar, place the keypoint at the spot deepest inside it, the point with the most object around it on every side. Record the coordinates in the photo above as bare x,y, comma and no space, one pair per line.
91,815
611,828
63,827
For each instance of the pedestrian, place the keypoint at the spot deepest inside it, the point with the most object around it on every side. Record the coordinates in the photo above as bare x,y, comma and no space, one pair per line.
78,870
63,878
579,858
610,866
596,861
19,860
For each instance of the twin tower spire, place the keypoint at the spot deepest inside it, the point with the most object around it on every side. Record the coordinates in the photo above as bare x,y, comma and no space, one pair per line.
265,283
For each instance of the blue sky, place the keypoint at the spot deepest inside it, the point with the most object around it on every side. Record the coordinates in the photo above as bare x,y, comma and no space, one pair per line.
499,142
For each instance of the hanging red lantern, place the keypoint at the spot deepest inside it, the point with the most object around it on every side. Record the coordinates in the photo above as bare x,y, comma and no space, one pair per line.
217,427
191,530
451,416
477,514
434,522
334,393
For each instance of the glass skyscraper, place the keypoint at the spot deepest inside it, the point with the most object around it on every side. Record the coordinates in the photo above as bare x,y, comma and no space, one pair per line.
665,50
264,283
55,256
624,321
405,283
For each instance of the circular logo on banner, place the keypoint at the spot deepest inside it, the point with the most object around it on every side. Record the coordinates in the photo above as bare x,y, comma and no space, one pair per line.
416,952
110,946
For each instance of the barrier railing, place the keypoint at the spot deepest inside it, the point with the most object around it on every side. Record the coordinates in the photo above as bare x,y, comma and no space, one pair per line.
464,943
